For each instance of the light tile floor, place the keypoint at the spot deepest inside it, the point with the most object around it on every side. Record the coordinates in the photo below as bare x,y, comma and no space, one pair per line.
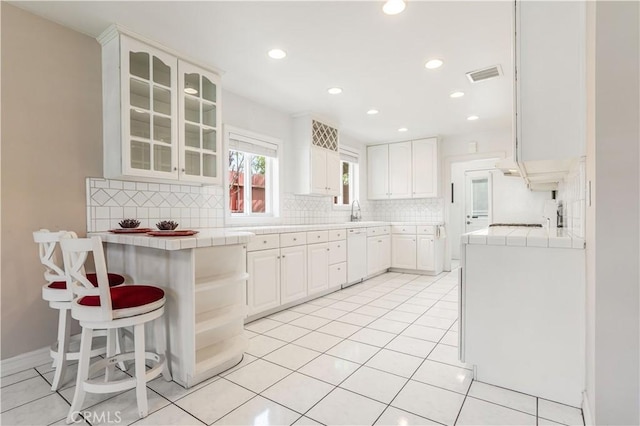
381,352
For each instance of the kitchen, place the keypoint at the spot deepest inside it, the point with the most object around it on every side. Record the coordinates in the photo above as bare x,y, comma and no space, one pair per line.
60,197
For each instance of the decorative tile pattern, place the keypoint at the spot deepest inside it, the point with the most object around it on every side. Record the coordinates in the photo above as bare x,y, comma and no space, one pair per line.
419,210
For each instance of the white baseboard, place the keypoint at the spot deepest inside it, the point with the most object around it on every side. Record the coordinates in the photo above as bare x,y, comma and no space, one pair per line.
25,361
586,410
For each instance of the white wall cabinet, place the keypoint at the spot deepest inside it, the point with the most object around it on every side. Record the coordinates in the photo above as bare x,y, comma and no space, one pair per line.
314,159
161,114
293,273
318,267
263,286
403,251
403,170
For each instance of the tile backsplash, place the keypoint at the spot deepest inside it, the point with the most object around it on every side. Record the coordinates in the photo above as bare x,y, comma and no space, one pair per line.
572,192
109,201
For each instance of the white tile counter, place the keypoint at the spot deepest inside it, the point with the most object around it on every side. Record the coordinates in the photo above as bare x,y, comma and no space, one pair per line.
523,237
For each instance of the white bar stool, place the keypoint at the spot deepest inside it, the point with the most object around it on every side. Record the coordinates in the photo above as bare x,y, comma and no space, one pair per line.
59,297
112,308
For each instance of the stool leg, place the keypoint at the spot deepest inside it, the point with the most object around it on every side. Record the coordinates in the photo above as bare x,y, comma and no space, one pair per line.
141,371
161,345
83,373
120,348
60,362
111,351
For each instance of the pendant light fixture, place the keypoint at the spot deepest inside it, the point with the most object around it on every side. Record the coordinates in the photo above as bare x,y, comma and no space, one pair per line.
393,7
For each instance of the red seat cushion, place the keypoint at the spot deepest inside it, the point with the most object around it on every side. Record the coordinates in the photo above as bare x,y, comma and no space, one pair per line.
114,279
128,296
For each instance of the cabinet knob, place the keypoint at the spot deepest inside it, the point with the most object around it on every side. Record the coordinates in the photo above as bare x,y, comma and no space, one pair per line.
175,168
339,269
283,256
182,170
318,236
264,241
295,239
338,245
327,249
379,241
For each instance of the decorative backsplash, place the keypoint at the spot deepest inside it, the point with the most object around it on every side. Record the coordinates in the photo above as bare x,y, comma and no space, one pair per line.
109,201
572,192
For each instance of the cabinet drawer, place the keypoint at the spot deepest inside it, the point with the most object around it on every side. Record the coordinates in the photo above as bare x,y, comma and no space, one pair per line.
293,239
426,230
317,237
264,242
337,234
337,274
403,229
378,230
337,252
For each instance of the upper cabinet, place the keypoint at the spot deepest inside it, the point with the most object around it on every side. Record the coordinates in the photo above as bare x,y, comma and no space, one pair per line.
550,61
161,113
315,159
403,170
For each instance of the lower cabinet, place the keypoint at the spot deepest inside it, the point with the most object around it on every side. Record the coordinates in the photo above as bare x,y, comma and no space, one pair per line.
293,273
403,251
426,258
263,286
318,267
378,254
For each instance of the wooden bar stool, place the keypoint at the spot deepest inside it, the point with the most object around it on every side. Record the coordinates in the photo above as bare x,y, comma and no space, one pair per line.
112,308
59,297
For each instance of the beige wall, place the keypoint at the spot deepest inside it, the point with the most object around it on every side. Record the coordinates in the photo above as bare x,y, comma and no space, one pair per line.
51,140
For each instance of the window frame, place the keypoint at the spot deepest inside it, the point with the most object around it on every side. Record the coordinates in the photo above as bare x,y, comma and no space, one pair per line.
272,180
354,184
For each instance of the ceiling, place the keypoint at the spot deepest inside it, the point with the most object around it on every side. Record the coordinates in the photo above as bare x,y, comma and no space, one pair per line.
377,59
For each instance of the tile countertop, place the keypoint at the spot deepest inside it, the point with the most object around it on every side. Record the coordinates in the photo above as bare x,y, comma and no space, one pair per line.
208,237
523,237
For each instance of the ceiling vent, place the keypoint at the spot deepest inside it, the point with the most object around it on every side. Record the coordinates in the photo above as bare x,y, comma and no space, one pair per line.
484,74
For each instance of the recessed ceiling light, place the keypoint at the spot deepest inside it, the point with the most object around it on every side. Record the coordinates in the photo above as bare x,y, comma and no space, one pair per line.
334,91
277,53
393,7
472,117
190,91
372,112
402,129
456,94
433,64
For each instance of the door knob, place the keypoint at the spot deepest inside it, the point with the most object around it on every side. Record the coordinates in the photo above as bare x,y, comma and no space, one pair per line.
468,222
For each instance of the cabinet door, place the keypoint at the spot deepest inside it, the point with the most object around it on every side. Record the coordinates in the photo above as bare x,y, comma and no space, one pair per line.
337,274
293,273
385,252
334,177
318,171
425,168
378,172
403,251
200,154
337,252
149,111
373,249
400,170
426,253
318,267
263,286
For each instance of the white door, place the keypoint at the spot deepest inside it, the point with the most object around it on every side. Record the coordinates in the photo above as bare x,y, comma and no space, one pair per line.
425,168
385,252
334,177
378,172
477,190
403,251
400,170
293,273
318,170
263,287
426,253
372,255
318,267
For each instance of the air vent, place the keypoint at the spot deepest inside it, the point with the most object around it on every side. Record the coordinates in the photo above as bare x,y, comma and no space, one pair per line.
484,74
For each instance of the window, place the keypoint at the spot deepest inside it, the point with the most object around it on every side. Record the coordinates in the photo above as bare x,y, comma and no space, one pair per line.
348,177
251,177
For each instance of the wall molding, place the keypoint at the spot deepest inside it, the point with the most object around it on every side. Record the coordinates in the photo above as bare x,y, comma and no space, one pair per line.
25,361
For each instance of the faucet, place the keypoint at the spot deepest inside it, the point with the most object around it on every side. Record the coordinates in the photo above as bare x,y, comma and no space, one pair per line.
357,217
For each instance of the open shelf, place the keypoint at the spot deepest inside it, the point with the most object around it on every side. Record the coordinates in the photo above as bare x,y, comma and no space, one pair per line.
211,356
218,317
216,281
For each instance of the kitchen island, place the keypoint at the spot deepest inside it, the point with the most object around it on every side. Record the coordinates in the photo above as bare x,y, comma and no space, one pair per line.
204,278
522,310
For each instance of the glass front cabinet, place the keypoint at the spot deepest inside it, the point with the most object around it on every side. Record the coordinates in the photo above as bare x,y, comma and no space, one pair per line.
161,114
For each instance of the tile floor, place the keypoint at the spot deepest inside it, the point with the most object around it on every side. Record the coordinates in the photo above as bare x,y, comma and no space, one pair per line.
381,352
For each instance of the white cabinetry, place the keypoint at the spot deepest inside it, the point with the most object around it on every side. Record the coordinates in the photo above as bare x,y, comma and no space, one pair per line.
403,170
337,258
263,287
550,100
161,114
316,162
403,251
293,273
378,250
425,259
417,248
318,263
